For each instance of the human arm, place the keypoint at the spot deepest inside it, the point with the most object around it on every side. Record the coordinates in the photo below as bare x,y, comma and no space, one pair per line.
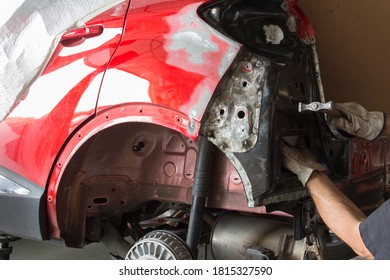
338,212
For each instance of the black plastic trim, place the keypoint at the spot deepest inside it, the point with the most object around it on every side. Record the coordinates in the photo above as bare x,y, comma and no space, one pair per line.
23,215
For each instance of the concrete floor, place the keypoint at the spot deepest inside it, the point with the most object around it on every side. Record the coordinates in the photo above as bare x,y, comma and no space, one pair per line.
36,250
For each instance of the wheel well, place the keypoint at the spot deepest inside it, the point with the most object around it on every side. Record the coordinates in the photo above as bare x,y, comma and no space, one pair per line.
119,170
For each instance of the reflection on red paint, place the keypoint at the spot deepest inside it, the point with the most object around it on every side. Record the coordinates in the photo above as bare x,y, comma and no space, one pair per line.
167,45
62,98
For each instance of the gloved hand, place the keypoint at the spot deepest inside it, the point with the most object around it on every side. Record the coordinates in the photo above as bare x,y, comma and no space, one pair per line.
356,120
300,161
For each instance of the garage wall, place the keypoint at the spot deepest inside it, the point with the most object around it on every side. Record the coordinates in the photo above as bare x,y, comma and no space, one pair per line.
353,40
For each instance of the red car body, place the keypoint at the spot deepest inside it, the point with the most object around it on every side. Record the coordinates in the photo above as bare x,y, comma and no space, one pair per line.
152,65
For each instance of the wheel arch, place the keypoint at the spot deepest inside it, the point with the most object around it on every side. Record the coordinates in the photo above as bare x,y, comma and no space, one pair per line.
78,145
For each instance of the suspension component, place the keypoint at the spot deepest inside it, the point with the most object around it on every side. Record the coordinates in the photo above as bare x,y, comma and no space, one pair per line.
202,182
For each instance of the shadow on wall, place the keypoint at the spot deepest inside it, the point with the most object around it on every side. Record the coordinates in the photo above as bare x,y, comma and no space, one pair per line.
353,39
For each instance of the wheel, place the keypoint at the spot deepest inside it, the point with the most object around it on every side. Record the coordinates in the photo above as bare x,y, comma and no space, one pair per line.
159,245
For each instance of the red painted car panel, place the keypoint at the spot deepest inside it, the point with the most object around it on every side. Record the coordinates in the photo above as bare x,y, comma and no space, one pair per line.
109,130
151,80
59,101
168,57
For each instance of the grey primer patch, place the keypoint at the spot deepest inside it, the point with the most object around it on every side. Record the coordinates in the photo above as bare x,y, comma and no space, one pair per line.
194,41
203,94
194,36
194,44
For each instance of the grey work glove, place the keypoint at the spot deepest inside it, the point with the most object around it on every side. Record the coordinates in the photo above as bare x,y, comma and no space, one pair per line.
356,120
300,161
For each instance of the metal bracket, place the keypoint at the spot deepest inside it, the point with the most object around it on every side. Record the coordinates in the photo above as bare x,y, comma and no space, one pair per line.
233,120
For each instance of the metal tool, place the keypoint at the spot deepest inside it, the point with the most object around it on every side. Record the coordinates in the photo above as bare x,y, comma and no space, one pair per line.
327,108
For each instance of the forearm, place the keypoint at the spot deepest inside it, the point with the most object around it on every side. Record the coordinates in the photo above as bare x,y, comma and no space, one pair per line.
338,212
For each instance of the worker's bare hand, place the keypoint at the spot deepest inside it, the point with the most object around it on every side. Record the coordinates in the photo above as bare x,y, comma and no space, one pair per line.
356,120
300,161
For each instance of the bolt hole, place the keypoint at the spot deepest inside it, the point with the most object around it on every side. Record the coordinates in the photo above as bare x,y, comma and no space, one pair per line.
241,114
100,200
331,152
106,117
222,112
141,111
89,206
178,119
122,202
113,190
244,84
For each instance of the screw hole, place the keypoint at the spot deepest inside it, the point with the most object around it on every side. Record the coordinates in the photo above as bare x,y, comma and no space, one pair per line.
241,114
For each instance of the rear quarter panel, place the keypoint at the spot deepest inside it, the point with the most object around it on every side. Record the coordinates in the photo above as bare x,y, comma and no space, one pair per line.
62,98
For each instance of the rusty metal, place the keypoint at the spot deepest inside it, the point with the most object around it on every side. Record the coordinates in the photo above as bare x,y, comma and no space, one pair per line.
233,120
